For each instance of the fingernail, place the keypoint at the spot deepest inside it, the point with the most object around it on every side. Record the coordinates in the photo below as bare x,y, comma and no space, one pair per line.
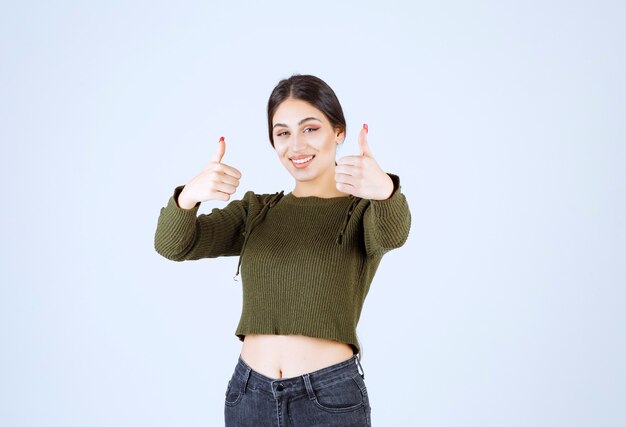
365,127
221,139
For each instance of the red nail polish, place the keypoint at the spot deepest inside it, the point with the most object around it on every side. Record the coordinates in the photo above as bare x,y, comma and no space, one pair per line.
221,139
365,127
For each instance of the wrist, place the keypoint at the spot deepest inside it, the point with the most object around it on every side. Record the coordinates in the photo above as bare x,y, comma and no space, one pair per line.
389,188
184,202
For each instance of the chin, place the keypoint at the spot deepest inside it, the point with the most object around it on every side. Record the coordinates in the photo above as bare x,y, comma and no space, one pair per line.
300,176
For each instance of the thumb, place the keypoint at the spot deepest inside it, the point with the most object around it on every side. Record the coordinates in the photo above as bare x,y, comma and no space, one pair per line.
363,145
219,152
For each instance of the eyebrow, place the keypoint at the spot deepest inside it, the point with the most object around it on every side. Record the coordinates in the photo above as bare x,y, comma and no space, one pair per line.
299,123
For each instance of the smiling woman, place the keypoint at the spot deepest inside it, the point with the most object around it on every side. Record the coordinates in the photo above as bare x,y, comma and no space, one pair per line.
307,261
307,146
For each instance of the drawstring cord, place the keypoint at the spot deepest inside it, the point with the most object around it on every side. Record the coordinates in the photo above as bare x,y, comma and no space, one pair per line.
353,203
268,204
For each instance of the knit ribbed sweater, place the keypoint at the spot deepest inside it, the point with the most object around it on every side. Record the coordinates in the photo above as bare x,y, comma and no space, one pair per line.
306,262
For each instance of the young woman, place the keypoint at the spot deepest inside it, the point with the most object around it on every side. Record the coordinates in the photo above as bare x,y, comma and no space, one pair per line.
307,260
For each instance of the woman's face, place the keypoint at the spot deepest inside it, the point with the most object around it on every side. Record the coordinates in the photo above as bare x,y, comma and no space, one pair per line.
305,141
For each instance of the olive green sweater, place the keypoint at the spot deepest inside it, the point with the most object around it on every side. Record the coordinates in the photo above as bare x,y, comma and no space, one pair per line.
306,262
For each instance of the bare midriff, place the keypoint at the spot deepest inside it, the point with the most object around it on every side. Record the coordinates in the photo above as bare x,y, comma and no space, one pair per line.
287,356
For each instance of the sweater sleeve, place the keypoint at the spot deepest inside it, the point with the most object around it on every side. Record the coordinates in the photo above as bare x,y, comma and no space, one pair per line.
181,235
387,222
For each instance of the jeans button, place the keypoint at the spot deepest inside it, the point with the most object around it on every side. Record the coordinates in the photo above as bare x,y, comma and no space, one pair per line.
280,387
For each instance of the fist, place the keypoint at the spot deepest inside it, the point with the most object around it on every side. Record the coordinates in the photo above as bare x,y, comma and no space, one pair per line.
216,181
361,176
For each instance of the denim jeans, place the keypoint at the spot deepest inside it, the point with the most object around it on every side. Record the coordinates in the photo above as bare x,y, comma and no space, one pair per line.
332,396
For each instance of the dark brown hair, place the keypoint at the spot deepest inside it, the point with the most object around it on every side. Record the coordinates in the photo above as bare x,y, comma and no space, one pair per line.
312,90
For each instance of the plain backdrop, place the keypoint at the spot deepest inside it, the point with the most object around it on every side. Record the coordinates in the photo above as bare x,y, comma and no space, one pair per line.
505,121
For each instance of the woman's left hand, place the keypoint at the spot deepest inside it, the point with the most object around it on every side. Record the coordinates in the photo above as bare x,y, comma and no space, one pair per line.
361,176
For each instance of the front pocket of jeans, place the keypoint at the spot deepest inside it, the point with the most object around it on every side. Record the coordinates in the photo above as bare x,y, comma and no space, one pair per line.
233,394
342,396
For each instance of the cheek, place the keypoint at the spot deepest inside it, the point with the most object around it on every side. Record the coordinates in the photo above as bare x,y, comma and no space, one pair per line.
320,141
280,150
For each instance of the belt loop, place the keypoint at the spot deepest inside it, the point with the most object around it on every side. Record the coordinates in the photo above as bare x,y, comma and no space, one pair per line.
247,376
362,372
309,387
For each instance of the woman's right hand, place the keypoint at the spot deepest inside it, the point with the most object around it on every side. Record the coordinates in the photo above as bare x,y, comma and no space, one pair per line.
216,181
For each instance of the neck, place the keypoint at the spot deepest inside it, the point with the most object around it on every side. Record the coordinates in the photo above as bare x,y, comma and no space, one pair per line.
323,187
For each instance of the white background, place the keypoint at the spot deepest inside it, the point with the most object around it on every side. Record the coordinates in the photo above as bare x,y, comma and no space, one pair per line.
504,119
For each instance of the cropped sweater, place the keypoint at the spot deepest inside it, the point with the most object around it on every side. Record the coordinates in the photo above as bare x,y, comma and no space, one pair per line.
306,262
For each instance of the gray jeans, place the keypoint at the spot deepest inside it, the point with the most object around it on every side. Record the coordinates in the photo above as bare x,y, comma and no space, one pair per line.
333,396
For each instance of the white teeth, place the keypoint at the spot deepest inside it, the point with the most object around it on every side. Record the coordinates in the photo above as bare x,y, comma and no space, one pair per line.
300,161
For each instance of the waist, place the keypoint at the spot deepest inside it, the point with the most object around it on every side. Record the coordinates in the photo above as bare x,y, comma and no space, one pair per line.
296,385
287,356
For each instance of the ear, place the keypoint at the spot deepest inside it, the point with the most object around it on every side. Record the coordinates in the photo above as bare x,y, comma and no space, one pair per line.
339,135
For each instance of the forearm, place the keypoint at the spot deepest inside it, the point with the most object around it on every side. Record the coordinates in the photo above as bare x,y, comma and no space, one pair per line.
176,229
182,235
387,222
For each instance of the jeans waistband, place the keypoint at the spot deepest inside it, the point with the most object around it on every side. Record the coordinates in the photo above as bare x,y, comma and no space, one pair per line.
255,380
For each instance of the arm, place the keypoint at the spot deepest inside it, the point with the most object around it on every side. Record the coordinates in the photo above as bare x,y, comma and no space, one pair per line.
387,222
181,235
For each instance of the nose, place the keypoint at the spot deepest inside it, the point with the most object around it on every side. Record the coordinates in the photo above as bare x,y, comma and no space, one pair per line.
297,142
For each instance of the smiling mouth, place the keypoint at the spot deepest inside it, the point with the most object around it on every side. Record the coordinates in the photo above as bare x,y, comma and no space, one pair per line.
302,161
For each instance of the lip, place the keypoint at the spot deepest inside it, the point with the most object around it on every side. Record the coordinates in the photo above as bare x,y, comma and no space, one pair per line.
301,157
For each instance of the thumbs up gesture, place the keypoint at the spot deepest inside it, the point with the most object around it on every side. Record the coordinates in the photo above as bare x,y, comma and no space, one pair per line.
361,176
216,181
